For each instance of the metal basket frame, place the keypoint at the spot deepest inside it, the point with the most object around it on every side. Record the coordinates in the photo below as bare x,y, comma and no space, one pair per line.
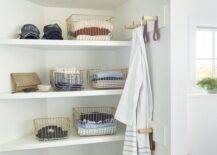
53,80
78,17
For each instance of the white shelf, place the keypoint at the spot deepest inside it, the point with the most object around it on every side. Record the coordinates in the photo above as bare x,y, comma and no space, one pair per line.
65,44
30,142
67,94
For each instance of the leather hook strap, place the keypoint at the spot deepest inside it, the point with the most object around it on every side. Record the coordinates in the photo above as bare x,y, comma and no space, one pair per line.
145,33
156,34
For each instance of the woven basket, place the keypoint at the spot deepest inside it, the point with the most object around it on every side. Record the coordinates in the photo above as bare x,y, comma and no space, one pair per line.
46,129
90,128
106,83
25,81
83,27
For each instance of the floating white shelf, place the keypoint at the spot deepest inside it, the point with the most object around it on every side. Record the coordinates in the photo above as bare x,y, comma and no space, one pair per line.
67,94
65,44
30,142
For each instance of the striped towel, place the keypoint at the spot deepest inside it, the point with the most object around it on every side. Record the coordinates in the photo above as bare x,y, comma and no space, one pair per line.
134,143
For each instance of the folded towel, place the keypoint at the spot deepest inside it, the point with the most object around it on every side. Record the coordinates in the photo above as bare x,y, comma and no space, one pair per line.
62,86
96,120
96,125
95,37
108,74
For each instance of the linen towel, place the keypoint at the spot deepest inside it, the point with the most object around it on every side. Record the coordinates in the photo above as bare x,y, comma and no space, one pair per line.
135,108
107,74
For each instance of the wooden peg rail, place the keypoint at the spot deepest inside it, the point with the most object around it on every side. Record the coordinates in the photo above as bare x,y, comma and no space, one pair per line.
145,130
145,19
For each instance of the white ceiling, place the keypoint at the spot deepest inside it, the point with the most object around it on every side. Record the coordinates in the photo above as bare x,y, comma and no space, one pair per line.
83,4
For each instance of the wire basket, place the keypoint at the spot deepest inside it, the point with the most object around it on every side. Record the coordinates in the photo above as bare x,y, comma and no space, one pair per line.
94,121
107,79
67,79
46,129
89,27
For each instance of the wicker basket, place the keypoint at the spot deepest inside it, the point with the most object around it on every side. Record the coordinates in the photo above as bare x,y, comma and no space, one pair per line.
46,129
87,27
64,80
94,121
107,82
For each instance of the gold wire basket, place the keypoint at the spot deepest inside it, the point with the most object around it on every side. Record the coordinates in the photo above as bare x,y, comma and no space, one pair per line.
106,82
94,121
66,81
89,27
46,129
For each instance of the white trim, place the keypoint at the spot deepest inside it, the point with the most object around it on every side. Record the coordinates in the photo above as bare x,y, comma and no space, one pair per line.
192,56
213,54
206,58
213,28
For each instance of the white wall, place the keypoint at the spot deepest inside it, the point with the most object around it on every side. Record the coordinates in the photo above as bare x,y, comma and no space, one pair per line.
181,11
134,10
202,125
159,60
14,15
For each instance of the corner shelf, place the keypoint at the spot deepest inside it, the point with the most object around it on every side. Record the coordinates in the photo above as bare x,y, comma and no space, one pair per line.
65,44
67,94
30,142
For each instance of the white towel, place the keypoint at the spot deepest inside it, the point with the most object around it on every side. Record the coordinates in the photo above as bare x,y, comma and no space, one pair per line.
136,105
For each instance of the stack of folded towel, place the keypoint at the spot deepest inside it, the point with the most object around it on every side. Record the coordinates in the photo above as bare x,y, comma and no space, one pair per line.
93,30
108,79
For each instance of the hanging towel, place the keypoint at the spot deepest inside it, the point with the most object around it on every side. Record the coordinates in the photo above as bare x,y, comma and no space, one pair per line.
136,104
